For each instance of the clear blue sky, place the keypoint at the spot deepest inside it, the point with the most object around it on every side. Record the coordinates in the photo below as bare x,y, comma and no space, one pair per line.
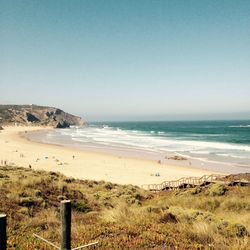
125,59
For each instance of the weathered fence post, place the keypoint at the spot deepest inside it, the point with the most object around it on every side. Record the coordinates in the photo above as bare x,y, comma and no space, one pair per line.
66,225
3,235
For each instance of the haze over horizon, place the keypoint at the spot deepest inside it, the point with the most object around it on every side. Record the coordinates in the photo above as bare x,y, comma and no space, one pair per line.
128,60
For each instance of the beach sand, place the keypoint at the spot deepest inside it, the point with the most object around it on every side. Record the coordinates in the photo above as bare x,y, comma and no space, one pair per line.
16,150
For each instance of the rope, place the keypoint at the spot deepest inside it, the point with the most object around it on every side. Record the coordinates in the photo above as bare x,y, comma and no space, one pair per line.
81,247
41,238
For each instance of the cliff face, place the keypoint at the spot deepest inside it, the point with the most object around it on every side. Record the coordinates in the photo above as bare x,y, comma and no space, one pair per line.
37,115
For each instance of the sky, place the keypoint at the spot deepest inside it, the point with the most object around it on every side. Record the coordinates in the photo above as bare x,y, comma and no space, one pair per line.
128,59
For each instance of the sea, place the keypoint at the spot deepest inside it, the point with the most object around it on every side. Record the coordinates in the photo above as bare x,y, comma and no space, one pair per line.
222,142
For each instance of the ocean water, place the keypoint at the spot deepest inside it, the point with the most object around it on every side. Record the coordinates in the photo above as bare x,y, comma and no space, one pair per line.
217,141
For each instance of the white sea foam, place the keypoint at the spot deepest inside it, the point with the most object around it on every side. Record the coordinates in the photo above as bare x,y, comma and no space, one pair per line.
107,134
239,126
233,156
202,152
216,145
153,141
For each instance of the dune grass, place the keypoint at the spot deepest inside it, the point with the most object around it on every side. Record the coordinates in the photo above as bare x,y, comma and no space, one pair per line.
122,216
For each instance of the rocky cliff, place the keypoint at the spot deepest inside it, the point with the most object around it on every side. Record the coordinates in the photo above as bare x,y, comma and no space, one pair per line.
37,115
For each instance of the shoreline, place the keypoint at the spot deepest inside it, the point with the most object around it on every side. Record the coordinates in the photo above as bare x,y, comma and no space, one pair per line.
164,157
19,150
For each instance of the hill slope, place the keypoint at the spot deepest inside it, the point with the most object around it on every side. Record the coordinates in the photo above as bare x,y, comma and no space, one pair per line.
37,115
122,217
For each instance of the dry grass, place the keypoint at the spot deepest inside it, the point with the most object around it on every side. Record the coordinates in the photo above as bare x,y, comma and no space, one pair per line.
122,217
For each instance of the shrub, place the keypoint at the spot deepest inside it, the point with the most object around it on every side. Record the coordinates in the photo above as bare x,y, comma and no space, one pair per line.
168,218
24,210
202,233
37,192
195,190
240,230
211,205
236,204
4,176
157,210
81,206
61,197
216,189
28,201
69,180
108,186
237,229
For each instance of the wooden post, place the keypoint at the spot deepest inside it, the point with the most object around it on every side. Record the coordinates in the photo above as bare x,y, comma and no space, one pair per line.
3,235
66,225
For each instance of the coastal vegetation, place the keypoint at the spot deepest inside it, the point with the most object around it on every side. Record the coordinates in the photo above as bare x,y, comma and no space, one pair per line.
215,216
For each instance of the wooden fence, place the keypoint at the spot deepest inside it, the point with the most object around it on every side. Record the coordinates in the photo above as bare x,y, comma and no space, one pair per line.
65,230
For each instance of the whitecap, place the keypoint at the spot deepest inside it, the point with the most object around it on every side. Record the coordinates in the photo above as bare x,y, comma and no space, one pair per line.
239,126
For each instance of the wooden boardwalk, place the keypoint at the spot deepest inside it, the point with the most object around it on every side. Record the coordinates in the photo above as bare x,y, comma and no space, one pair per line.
186,182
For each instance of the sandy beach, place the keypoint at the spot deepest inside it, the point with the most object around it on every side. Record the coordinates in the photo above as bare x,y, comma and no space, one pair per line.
16,150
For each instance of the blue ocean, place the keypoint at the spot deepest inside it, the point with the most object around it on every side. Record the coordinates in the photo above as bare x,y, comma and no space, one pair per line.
215,141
